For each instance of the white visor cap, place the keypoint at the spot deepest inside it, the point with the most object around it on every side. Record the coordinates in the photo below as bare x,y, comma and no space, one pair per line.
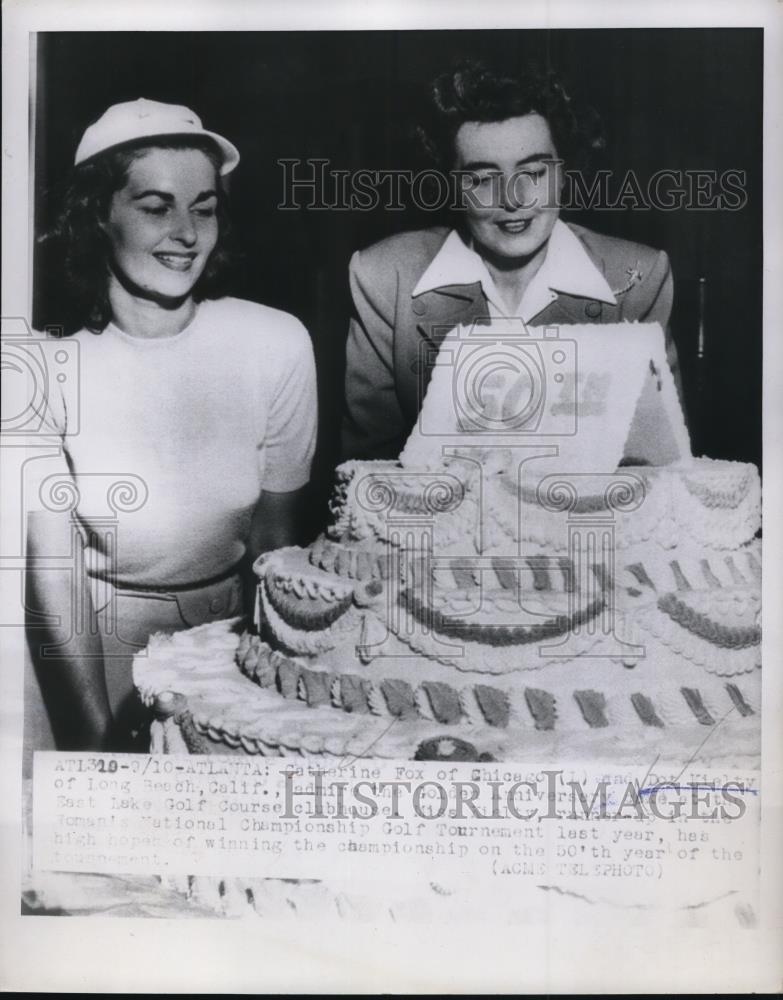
143,119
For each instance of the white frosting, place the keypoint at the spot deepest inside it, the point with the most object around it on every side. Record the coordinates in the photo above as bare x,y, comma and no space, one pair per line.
675,507
679,537
239,715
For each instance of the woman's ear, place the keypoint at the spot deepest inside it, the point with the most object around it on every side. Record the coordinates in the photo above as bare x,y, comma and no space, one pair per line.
102,218
103,211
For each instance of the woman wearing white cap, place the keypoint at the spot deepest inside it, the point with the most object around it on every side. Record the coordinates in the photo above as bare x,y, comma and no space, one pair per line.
195,427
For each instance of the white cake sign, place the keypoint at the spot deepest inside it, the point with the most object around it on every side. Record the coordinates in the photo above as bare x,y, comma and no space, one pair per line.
584,397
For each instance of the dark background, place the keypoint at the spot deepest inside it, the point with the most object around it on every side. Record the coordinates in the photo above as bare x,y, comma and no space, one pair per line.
679,99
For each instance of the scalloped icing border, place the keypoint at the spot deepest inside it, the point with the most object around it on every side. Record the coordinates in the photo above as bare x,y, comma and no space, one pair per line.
718,660
299,735
298,641
698,624
499,635
294,610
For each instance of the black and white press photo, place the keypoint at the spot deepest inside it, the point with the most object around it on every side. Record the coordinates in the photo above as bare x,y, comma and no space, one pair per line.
386,437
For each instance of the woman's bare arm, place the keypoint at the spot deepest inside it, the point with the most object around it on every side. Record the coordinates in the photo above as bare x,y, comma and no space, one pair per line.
278,520
63,636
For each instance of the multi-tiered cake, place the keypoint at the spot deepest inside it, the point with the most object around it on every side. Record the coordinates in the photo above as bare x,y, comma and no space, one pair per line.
500,594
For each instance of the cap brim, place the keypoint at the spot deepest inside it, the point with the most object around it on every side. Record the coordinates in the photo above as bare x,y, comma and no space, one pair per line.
228,149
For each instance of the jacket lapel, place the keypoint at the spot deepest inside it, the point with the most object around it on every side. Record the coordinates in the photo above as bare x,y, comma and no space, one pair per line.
441,309
577,309
432,314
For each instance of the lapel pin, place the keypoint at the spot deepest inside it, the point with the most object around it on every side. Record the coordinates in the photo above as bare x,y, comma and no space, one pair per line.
634,277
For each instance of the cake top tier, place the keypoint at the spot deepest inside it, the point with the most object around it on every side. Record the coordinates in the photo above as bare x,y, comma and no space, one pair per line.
493,499
581,398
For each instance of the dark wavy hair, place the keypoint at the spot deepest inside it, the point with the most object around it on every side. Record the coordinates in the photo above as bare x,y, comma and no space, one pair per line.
474,91
81,248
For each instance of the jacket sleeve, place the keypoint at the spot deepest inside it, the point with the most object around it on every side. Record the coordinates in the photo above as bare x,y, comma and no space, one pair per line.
661,285
373,424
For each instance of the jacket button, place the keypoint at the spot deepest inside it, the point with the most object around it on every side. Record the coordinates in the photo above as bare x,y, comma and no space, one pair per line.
215,605
419,307
593,309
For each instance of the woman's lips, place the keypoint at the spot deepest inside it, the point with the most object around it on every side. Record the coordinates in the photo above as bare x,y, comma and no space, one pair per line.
514,226
176,261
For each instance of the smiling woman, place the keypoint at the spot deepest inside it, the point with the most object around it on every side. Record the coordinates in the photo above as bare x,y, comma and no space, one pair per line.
191,444
162,225
507,138
113,191
517,175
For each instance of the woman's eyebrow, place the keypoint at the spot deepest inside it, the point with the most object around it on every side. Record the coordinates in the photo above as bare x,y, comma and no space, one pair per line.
168,196
150,192
535,157
488,165
480,165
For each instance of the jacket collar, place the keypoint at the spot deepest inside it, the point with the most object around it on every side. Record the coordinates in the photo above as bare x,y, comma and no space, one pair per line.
567,269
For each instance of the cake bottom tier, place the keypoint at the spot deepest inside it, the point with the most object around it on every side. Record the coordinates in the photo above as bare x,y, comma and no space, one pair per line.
676,711
204,704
